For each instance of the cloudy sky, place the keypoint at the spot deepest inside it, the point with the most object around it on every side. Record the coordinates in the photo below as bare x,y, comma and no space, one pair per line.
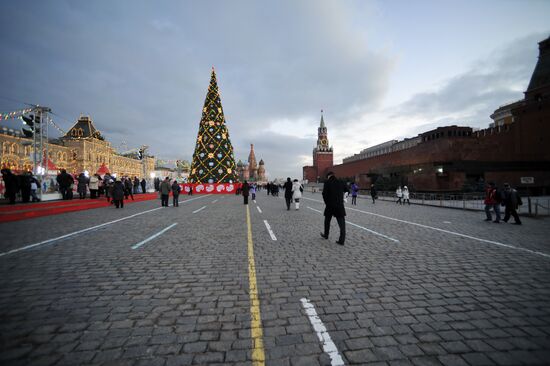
381,70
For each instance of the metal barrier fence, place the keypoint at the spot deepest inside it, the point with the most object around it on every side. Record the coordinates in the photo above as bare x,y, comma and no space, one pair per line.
532,206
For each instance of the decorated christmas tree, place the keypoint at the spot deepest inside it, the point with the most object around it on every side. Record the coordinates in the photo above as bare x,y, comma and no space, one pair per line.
213,160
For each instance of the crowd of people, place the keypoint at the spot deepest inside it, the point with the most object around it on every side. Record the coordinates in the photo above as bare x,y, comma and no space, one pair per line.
24,184
111,186
116,190
27,186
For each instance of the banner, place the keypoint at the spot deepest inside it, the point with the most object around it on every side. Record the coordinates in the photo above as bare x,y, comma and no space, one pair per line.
210,188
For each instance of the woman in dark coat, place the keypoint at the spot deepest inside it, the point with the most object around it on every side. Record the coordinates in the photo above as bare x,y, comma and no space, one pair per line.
118,194
245,191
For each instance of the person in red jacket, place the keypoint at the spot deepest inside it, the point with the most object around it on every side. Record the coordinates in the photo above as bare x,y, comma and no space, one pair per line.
492,201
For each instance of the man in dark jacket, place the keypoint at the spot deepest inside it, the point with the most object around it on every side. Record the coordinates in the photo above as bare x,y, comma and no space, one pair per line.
10,185
373,193
511,202
25,186
245,189
288,192
333,195
164,188
64,180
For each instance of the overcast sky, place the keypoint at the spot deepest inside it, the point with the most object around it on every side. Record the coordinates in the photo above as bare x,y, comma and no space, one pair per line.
381,70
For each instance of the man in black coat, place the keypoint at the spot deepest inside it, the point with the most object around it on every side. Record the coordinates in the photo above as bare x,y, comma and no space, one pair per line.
288,192
245,189
143,184
333,195
25,186
11,185
64,180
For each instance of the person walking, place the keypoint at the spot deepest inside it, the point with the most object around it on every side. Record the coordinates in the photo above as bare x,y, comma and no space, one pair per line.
157,184
333,195
100,187
288,192
373,193
406,195
399,194
253,192
164,189
492,201
354,191
93,184
81,187
118,193
297,190
34,189
65,181
143,185
25,186
176,189
511,202
107,186
128,186
136,185
245,189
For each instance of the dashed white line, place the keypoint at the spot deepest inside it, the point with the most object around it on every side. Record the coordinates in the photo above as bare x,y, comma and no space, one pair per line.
153,236
200,209
324,337
273,237
446,231
52,240
363,228
215,201
259,209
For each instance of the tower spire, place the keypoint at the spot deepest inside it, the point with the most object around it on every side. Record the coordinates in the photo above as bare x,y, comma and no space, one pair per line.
322,120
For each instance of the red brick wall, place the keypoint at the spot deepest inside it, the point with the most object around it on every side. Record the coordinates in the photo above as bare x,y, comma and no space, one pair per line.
310,173
526,141
325,163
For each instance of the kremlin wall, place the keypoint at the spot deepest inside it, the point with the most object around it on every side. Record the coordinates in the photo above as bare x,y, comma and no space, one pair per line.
514,149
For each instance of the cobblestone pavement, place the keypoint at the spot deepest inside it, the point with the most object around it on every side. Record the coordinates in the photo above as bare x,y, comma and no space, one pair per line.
441,287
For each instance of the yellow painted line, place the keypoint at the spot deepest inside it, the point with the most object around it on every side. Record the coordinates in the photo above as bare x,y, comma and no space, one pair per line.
258,355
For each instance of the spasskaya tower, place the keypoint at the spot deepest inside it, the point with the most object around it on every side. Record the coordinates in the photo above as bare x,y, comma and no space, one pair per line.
322,156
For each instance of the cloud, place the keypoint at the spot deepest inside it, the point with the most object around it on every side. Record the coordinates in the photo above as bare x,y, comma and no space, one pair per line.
466,99
470,98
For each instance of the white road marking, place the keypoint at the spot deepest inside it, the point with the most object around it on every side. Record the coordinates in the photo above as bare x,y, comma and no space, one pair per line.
259,209
200,209
446,231
87,229
324,337
364,228
446,222
153,236
215,201
273,237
